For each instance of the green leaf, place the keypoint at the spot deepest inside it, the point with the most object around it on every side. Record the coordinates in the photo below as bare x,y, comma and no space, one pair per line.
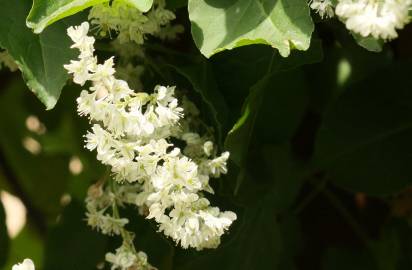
223,25
239,137
202,79
275,105
39,57
286,172
4,237
364,142
370,43
281,95
46,12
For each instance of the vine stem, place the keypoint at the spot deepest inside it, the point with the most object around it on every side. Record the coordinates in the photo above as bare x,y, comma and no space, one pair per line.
312,195
350,220
126,235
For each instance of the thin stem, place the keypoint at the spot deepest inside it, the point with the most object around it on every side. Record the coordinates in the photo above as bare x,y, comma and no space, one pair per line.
271,62
126,235
312,195
350,220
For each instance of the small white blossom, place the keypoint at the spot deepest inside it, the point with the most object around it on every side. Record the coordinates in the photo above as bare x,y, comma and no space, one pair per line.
323,7
126,258
208,148
379,19
27,264
218,165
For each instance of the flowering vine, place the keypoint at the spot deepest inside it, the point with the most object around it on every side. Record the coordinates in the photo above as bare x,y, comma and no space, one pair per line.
132,134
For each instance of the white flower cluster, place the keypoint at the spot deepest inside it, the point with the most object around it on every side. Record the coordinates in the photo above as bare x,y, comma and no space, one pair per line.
369,18
132,25
27,264
323,7
378,19
132,134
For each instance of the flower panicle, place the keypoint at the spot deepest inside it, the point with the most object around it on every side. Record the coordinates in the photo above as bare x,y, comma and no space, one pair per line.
133,134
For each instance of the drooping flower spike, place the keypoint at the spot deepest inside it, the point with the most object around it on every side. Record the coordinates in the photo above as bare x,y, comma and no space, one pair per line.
132,135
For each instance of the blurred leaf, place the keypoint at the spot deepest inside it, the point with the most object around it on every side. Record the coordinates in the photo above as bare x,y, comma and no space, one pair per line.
388,252
27,244
403,230
344,259
34,173
224,25
344,63
71,244
39,57
4,238
364,142
291,242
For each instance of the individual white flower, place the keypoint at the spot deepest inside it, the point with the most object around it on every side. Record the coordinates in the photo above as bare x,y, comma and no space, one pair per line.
323,7
112,226
208,148
27,264
218,165
80,71
379,19
123,259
